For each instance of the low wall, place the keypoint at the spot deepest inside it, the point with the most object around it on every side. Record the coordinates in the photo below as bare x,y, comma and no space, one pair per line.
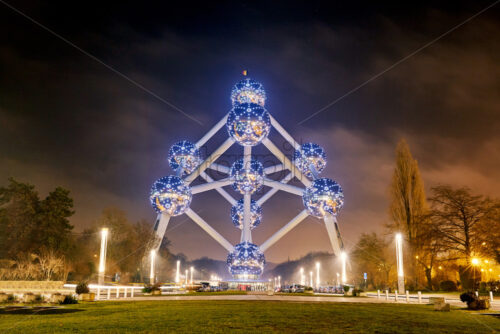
36,287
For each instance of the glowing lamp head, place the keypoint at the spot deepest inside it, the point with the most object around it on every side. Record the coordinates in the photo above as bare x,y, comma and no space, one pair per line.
185,155
237,214
310,155
247,179
248,123
246,261
248,91
323,196
475,261
170,195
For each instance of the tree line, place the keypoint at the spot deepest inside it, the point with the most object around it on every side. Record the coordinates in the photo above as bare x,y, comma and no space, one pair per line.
451,236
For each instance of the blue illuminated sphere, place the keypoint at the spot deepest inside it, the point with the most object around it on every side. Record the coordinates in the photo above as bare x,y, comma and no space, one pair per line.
248,123
184,154
246,262
247,179
237,214
323,196
170,195
310,154
248,91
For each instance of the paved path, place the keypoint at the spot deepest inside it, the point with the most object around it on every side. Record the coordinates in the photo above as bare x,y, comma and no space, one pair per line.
308,299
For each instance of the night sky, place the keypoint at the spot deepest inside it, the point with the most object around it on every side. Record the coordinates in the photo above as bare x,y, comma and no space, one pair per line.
66,119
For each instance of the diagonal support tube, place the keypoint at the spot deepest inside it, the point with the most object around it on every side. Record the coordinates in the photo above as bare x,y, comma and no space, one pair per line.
284,133
332,233
209,229
211,132
221,191
286,162
204,165
273,191
283,186
210,186
160,228
284,230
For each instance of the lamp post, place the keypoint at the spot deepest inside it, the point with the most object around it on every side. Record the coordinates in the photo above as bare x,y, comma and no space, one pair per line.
177,273
311,278
279,282
399,261
317,275
302,278
102,258
343,258
192,269
338,280
186,276
152,271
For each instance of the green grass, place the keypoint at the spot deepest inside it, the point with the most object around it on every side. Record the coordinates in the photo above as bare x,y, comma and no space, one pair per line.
215,293
248,316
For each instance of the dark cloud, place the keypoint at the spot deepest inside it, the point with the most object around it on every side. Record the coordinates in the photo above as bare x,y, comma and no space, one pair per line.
67,120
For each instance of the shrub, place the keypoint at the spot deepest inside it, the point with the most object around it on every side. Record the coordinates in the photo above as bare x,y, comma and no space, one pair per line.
148,288
69,300
448,286
11,298
346,288
38,299
473,302
82,287
468,297
309,288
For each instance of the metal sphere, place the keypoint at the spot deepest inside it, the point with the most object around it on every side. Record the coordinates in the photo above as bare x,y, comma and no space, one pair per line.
247,179
237,214
310,154
323,196
170,195
185,155
248,91
248,123
246,262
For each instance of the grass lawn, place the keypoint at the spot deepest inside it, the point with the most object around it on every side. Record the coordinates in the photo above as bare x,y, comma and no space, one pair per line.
207,293
248,316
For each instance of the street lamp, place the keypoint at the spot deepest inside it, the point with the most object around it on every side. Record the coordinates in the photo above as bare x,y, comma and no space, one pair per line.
279,281
338,281
186,275
343,257
317,275
192,269
177,273
102,259
152,271
311,278
399,261
302,278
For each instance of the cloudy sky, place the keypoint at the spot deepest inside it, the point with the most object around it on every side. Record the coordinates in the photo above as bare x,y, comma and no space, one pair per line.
67,119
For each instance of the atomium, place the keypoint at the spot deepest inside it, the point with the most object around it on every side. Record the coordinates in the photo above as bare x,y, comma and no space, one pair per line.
170,195
310,155
323,196
185,155
247,179
248,123
237,214
246,262
248,91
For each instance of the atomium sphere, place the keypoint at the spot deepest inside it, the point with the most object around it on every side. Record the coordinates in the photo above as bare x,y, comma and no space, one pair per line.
246,261
184,154
248,123
237,214
247,179
310,154
170,195
248,91
323,196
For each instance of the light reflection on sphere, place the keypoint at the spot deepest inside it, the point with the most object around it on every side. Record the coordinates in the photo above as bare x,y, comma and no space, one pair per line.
246,262
323,196
237,214
247,179
310,154
184,154
248,123
248,91
170,195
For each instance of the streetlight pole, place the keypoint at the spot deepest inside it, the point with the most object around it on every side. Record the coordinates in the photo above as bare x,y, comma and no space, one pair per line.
311,278
317,275
343,257
152,271
186,276
102,258
192,269
399,261
177,273
302,278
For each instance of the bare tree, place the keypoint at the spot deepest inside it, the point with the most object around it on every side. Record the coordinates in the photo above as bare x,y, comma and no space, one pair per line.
408,202
50,263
